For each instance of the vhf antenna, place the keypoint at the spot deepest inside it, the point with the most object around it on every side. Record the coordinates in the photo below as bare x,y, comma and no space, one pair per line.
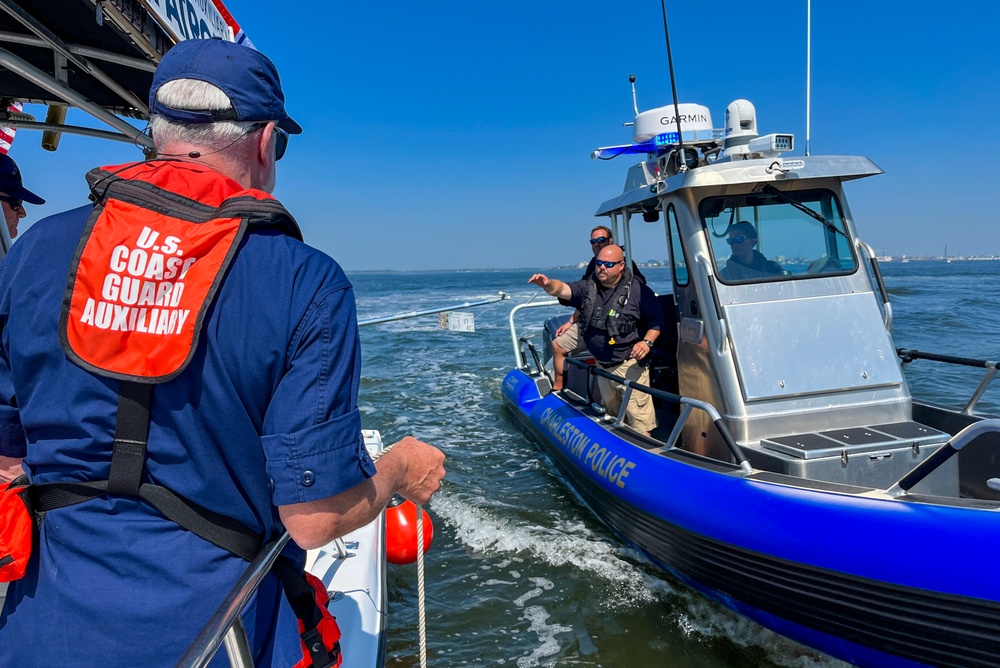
635,105
808,67
681,161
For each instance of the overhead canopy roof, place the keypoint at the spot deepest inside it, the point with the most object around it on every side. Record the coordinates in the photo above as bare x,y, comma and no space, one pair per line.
97,55
106,56
844,168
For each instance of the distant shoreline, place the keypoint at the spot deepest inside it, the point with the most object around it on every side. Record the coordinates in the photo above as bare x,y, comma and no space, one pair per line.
649,265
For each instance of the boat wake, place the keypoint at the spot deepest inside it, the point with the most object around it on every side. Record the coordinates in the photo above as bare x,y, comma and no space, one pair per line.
565,543
620,579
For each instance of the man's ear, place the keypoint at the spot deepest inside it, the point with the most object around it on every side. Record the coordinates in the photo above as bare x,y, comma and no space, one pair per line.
265,147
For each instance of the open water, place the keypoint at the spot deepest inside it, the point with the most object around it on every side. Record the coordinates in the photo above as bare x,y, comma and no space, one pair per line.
520,574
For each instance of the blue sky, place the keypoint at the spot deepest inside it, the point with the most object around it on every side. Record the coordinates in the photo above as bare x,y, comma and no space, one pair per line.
454,135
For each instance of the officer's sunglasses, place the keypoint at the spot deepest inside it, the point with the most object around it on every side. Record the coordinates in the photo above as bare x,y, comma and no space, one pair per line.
607,263
598,240
15,202
737,240
280,140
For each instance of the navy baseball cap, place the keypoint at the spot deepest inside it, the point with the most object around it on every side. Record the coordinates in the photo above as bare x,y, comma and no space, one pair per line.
245,75
10,182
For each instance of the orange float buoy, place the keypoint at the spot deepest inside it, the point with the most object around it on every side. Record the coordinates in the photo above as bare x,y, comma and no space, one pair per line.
401,531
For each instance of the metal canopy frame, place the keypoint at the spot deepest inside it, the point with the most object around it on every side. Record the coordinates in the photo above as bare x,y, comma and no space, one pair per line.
105,71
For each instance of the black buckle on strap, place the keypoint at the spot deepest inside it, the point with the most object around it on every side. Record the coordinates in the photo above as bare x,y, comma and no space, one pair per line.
128,456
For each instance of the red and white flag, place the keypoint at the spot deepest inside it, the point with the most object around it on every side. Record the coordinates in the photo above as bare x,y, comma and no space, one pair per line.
239,36
7,134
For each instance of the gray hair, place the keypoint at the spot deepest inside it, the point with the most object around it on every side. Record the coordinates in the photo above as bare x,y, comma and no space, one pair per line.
195,94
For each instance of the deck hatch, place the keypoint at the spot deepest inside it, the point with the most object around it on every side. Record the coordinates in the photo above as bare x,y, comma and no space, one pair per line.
856,440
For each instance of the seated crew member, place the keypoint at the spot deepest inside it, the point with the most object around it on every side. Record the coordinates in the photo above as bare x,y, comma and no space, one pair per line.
746,262
568,339
13,194
621,320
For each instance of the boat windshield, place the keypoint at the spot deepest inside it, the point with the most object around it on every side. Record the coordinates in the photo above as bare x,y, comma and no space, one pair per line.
773,235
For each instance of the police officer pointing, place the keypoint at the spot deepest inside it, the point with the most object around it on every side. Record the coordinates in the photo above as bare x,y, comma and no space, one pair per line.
620,319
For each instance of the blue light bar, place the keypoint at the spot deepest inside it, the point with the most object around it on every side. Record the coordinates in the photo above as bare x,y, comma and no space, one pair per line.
657,144
665,139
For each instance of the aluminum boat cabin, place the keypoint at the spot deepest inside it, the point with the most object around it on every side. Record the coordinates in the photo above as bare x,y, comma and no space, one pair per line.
792,476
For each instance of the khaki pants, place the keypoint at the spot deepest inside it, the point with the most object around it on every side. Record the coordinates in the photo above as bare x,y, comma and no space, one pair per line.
570,340
640,414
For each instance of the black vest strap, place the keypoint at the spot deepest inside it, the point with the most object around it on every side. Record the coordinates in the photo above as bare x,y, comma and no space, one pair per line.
128,460
128,456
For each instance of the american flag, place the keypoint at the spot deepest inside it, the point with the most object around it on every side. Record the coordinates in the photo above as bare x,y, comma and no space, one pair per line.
239,36
7,134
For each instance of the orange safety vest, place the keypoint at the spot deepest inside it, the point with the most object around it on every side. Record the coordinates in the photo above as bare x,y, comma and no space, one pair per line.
150,261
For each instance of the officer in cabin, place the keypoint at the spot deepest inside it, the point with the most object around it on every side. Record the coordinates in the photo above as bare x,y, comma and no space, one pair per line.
621,320
746,262
201,350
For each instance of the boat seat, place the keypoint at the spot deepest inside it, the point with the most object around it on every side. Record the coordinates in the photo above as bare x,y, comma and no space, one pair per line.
577,381
663,372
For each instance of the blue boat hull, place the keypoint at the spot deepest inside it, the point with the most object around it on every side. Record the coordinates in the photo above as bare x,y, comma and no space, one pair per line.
870,580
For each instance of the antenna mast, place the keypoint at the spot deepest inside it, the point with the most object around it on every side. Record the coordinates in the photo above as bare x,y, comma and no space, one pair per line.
635,104
682,163
808,68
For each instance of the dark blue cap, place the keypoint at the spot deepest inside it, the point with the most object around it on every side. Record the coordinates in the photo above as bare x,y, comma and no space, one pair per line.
245,75
10,181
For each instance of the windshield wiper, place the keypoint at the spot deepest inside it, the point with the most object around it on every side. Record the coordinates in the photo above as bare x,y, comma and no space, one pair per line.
771,190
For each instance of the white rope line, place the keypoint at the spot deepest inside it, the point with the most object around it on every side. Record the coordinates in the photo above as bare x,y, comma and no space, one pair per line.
421,610
385,449
421,615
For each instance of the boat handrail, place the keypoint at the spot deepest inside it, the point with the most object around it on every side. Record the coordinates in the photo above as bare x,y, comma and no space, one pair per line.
525,340
877,272
225,625
685,402
519,359
943,454
907,356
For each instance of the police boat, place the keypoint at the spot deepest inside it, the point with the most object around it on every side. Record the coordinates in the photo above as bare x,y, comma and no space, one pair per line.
792,475
99,58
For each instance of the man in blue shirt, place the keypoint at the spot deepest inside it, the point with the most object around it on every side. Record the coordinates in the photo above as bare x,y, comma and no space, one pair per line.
261,425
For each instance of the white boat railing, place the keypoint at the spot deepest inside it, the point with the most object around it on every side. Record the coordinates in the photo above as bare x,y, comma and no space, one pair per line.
877,272
686,404
943,454
519,358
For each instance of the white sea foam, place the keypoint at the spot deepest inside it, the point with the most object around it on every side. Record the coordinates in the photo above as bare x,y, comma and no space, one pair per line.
566,544
548,646
699,617
571,543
